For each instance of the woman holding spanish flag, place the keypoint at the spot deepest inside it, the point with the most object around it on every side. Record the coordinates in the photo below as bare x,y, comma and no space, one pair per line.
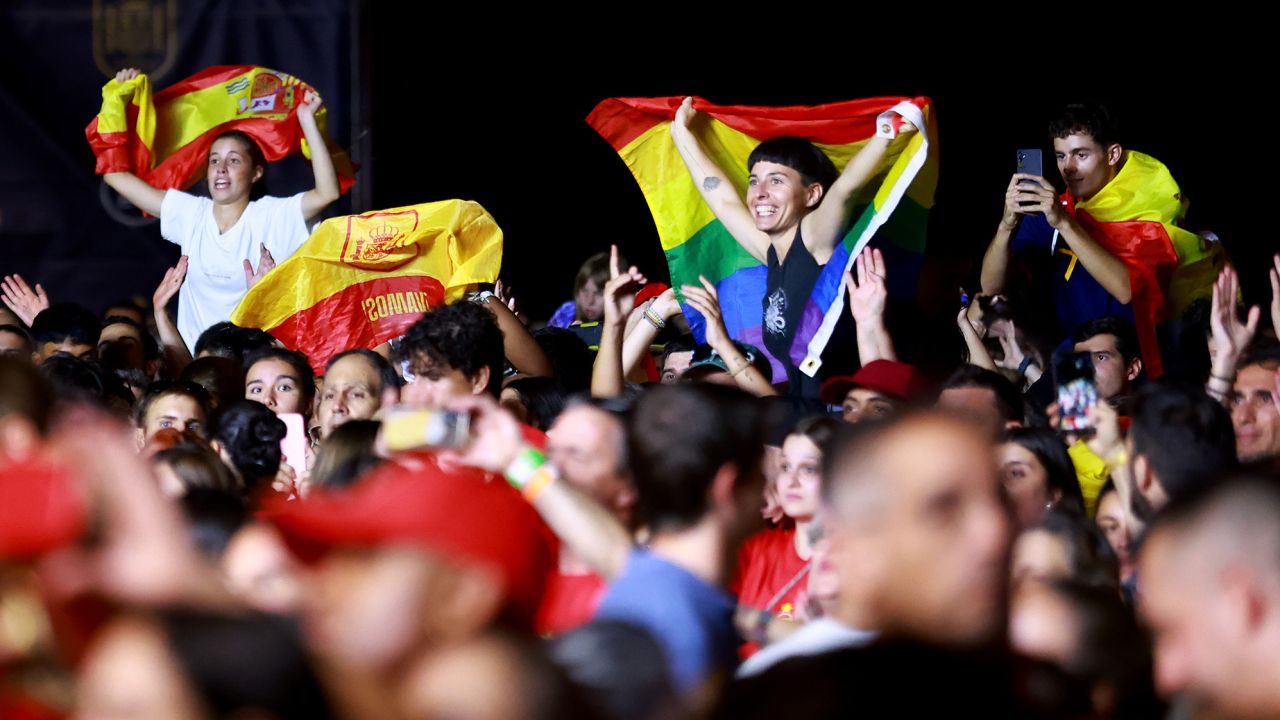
220,233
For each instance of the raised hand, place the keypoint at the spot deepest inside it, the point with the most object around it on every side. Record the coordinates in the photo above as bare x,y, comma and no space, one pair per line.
620,291
1230,336
21,299
706,300
170,284
266,264
867,297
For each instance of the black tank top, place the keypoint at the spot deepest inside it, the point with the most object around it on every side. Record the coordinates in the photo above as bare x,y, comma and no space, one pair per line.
788,286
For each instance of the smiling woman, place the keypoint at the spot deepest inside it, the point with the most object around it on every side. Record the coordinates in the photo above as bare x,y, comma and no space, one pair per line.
221,233
796,209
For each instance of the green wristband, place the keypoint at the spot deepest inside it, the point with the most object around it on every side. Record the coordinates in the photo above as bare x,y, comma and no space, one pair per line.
524,466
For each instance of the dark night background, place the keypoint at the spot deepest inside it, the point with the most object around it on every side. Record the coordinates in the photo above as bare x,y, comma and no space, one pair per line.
440,107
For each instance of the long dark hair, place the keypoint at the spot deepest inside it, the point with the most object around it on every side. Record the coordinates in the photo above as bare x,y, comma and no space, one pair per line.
1060,472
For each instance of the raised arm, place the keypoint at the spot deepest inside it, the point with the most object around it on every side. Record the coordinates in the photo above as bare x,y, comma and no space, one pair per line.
521,349
175,349
640,337
131,187
995,262
589,530
867,299
715,187
1107,269
828,222
21,299
705,300
315,200
619,299
1230,336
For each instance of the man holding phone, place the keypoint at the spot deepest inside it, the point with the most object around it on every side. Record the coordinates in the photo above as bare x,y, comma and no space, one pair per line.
1088,281
1112,245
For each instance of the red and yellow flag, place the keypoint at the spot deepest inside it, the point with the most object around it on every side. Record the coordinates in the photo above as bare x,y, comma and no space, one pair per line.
1137,218
164,138
361,280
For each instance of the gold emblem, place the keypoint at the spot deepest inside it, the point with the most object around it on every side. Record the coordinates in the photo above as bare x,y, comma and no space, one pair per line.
380,241
135,33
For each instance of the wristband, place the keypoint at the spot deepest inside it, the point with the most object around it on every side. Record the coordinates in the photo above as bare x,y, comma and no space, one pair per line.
541,479
654,318
524,466
1027,362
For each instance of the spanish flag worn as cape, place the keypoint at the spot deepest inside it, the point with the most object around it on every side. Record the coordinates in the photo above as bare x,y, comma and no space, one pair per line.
892,211
164,138
361,280
1136,217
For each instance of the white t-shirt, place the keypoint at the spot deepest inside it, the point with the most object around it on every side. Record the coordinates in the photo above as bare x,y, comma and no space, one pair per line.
215,268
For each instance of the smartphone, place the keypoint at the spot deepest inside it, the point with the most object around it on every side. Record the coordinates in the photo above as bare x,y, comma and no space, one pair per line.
1030,162
410,429
294,444
1077,392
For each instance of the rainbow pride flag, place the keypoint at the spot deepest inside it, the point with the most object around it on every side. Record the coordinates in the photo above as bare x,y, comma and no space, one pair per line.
361,280
164,138
893,208
1136,217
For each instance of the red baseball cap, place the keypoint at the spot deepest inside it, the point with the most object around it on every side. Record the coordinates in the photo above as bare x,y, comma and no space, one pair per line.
465,515
890,378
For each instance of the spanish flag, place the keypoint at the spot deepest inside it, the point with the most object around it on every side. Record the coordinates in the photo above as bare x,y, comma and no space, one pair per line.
164,138
361,280
892,211
1136,217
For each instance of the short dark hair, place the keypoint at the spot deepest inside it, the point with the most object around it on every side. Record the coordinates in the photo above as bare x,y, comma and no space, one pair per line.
386,373
1051,452
1121,330
61,322
164,388
244,661
1184,434
226,340
222,378
798,154
571,359
463,336
541,397
75,380
213,516
295,360
1009,402
23,392
679,436
150,347
1088,118
22,334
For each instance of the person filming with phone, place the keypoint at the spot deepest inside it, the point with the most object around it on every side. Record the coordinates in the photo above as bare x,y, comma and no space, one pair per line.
1088,281
1112,245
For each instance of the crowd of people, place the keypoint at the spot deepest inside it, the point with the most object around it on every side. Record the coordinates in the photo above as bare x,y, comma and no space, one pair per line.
602,516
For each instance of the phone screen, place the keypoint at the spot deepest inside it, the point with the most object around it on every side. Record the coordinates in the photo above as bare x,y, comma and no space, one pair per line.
294,444
1077,392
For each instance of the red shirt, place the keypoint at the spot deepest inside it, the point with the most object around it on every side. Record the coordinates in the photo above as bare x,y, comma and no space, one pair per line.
766,563
568,601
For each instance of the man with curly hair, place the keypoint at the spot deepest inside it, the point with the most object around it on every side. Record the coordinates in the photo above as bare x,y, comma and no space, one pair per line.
453,351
